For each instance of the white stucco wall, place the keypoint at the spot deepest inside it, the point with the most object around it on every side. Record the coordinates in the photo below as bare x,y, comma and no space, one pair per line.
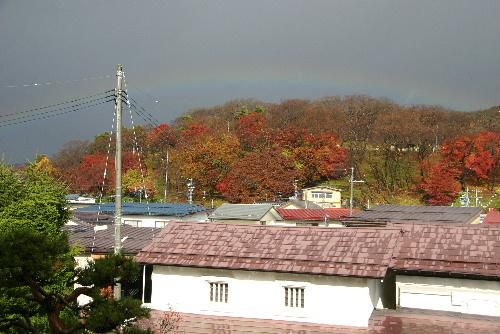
150,221
328,300
334,202
449,294
82,262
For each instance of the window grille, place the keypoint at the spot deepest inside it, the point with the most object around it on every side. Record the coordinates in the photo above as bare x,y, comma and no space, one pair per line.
294,297
219,292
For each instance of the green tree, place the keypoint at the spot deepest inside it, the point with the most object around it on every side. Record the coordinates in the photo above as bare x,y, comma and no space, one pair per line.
37,267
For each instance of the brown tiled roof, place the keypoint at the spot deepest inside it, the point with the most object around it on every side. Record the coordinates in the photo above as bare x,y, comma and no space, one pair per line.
102,241
413,321
313,250
206,324
451,249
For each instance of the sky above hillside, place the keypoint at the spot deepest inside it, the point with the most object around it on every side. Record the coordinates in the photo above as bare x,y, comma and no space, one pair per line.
180,55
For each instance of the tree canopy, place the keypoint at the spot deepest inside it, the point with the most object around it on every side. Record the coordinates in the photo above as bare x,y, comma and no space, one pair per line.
37,267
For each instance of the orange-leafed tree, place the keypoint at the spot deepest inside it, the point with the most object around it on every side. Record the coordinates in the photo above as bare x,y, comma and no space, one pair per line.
253,131
440,187
260,176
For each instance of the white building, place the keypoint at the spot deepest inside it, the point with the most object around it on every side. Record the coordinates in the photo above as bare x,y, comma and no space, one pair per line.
324,196
301,274
449,268
261,214
155,215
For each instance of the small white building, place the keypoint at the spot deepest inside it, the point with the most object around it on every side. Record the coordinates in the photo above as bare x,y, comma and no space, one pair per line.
301,274
261,214
324,196
449,268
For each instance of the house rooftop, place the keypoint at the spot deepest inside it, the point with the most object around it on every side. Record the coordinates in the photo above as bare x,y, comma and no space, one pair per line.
400,321
209,324
417,214
450,250
493,217
325,251
146,209
416,321
241,211
102,240
314,214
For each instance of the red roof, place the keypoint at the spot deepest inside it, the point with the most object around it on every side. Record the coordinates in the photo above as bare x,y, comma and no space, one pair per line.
400,321
451,249
414,321
209,324
314,214
311,250
493,217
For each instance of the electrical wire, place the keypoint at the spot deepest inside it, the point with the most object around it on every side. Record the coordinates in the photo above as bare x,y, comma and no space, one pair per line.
54,110
49,83
8,123
58,104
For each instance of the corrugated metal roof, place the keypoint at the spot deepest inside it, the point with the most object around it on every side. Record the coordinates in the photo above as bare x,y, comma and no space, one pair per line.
154,209
327,251
472,250
241,211
416,321
314,214
102,241
418,214
209,324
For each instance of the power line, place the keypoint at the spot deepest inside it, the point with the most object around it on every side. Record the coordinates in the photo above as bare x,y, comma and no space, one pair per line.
7,123
57,104
54,110
50,83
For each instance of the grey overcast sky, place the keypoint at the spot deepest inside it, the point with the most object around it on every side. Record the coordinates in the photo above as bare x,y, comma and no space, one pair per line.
187,54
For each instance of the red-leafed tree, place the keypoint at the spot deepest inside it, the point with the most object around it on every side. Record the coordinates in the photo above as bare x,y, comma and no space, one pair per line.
162,138
473,158
192,133
321,157
253,131
484,160
440,187
207,160
260,176
91,173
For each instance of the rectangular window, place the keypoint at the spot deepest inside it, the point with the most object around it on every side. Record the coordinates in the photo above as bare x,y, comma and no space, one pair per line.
219,292
294,297
134,223
160,224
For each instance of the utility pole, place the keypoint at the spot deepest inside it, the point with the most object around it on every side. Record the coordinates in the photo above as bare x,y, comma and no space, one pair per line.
166,181
117,291
118,160
190,186
352,190
295,189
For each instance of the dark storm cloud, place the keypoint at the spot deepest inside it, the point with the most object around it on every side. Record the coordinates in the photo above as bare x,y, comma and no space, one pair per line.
187,54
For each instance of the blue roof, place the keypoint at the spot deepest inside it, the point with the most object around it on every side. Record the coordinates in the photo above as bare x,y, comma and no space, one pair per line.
155,209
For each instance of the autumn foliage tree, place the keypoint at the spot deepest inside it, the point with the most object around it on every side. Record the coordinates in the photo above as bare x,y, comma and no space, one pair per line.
441,186
260,176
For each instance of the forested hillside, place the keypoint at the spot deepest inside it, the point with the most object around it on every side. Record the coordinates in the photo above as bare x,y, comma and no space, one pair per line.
248,150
